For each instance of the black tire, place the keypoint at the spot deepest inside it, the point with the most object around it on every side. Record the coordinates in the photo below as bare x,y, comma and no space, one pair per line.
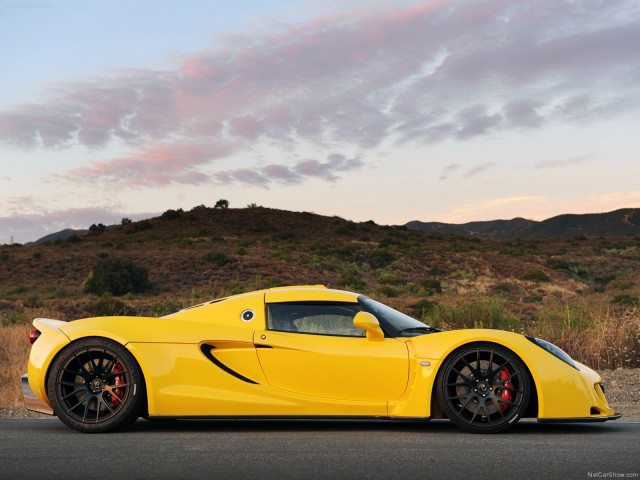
483,388
95,385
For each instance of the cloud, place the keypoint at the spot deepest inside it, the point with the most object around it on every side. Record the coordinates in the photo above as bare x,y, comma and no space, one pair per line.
160,165
478,169
448,170
421,74
560,163
296,174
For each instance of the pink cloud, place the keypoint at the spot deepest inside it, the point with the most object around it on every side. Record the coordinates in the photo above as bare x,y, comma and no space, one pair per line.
156,166
433,71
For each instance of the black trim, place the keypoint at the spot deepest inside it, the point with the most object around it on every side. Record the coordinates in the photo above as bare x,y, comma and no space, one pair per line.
207,349
382,418
259,345
579,420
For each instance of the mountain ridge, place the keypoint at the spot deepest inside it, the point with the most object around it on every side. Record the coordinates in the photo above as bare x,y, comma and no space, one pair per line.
624,221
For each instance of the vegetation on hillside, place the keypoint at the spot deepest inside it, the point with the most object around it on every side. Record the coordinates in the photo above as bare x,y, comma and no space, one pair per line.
580,293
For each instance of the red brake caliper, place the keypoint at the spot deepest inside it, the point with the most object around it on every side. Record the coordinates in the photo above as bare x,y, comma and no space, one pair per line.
506,394
119,380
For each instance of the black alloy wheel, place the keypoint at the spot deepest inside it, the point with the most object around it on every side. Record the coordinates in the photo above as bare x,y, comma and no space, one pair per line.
483,388
95,385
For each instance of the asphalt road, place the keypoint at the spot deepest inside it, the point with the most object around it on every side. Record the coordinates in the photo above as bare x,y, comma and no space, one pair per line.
221,449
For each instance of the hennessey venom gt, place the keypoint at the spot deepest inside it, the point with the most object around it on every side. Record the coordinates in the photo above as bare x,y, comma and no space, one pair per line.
300,352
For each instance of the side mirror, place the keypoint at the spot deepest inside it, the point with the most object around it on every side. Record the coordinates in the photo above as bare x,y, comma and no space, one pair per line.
369,324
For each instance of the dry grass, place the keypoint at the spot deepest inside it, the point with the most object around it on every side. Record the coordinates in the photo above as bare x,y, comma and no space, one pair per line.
612,341
14,355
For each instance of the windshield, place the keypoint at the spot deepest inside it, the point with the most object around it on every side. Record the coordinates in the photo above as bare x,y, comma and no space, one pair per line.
395,323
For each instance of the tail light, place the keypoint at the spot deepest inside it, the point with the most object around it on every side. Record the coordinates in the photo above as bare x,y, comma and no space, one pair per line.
33,336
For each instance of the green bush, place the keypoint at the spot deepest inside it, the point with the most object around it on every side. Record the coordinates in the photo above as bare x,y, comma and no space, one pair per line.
388,291
352,278
116,277
167,306
171,214
109,307
136,227
431,286
423,307
627,300
218,258
535,275
380,258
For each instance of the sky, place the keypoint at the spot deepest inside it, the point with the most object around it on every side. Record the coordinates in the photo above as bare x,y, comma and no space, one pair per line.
440,110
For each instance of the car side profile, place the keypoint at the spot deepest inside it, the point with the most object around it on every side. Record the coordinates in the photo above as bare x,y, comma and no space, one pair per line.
302,351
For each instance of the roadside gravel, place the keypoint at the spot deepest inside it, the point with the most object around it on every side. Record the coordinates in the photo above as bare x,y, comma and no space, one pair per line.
622,388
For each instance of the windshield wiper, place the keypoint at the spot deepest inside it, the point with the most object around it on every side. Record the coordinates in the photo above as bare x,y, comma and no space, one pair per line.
418,330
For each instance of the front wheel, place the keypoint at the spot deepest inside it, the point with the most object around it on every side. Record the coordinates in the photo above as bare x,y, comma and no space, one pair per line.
483,388
95,385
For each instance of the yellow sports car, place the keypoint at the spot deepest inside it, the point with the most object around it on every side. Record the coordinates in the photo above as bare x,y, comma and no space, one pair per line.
300,352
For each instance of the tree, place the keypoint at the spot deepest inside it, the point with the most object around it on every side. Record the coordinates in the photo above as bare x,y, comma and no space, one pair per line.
97,228
222,203
117,277
126,221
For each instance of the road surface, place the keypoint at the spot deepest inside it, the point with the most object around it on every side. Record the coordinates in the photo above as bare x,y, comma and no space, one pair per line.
225,449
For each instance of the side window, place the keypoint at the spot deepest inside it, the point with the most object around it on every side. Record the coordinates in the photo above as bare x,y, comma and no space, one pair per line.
319,319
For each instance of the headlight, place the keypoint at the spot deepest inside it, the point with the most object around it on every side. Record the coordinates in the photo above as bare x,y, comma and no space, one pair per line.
555,351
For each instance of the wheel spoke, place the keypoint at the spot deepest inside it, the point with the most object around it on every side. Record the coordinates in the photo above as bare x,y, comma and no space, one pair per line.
498,407
93,366
86,409
469,381
82,369
471,367
73,393
475,414
455,397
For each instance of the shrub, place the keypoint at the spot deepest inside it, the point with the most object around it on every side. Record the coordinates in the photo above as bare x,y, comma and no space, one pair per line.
388,291
380,258
218,258
75,238
423,306
431,286
126,221
97,228
171,214
222,203
352,278
535,275
627,300
117,277
138,227
109,307
167,306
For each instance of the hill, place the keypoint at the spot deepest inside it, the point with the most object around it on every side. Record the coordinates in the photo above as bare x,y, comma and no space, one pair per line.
571,291
61,235
620,222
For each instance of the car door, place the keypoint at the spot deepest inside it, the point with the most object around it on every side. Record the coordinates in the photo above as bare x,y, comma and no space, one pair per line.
314,349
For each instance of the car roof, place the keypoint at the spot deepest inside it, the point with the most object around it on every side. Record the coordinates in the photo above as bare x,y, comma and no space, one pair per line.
316,293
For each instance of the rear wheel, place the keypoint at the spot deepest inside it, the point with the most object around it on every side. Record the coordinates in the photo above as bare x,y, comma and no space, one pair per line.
95,385
483,388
